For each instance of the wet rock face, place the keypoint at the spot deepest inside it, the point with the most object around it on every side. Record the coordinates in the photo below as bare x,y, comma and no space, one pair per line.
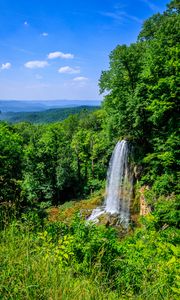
112,220
137,172
119,189
109,219
104,219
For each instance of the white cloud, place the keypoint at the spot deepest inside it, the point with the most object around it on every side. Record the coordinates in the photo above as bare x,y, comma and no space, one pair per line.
34,64
44,34
69,70
58,54
6,66
26,23
80,79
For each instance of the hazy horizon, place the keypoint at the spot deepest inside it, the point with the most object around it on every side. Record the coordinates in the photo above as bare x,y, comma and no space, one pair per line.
40,105
44,100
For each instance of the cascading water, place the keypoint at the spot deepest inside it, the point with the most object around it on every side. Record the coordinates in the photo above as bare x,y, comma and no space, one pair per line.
119,186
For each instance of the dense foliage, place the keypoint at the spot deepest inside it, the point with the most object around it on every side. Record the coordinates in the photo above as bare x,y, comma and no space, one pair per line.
52,163
48,164
55,260
69,159
143,97
47,116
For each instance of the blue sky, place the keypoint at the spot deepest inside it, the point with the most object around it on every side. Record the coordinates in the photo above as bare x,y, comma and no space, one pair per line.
56,49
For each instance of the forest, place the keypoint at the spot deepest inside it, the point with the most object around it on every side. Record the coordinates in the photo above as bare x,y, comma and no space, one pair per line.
52,174
47,116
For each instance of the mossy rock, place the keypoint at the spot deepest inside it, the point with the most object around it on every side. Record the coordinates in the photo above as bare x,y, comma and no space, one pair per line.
108,219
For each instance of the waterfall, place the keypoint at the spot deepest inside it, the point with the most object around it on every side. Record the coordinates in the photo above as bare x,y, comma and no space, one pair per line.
119,186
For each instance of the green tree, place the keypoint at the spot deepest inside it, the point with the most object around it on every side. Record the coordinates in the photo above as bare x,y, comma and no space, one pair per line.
121,82
10,164
142,86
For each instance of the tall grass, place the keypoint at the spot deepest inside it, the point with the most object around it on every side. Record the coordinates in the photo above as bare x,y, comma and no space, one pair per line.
75,260
25,274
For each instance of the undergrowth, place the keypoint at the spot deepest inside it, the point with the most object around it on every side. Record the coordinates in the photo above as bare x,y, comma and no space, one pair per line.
57,260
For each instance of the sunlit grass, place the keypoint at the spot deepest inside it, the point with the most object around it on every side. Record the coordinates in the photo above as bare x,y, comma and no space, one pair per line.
25,274
43,259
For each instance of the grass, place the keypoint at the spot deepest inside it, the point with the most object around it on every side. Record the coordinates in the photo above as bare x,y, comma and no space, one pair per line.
66,258
25,274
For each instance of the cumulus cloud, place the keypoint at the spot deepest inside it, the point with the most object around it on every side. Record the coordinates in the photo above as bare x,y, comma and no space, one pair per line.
35,64
80,79
69,70
6,66
58,54
44,34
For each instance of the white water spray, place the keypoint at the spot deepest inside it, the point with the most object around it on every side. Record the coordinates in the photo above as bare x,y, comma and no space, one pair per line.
119,186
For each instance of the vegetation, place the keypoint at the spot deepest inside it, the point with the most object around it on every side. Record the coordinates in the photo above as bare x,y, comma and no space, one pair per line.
47,116
143,94
56,260
56,162
49,164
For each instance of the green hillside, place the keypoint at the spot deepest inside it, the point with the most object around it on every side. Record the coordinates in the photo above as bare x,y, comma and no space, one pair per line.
47,116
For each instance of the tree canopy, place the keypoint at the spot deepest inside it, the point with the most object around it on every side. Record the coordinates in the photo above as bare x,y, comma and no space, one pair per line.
68,159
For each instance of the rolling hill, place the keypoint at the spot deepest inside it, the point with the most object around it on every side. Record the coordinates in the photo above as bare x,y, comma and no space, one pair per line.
46,116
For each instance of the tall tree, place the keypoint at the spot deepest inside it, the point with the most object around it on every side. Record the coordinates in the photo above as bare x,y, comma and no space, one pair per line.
10,164
142,86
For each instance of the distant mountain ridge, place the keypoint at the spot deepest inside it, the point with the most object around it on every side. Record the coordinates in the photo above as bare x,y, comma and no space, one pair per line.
46,116
41,105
